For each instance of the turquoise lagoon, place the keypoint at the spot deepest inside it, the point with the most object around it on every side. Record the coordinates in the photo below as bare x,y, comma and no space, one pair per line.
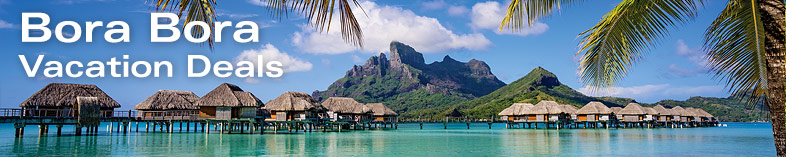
738,139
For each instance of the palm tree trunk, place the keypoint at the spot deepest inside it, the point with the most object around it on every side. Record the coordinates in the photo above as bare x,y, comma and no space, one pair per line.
774,20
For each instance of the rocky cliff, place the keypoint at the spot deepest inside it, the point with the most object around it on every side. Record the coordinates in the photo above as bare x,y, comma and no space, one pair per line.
406,83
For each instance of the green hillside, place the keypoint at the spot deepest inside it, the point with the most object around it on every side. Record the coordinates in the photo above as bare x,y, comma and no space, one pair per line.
726,109
538,85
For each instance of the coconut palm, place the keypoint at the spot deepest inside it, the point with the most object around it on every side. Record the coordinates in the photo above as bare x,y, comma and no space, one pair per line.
318,12
744,45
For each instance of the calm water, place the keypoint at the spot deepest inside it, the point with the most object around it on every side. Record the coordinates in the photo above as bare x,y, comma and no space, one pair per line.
738,139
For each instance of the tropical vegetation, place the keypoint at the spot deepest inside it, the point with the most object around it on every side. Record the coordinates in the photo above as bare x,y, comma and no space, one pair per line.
745,45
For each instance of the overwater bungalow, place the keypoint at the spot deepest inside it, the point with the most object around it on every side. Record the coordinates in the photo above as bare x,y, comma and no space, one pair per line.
652,114
571,110
548,111
697,116
169,104
616,113
593,112
454,113
516,112
228,101
346,109
710,117
293,106
666,115
382,113
633,112
58,99
685,116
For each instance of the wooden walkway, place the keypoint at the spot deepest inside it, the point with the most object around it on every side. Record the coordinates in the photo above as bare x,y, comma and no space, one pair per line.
173,121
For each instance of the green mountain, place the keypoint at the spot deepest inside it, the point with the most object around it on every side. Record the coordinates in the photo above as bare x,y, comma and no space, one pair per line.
408,85
538,85
726,109
449,87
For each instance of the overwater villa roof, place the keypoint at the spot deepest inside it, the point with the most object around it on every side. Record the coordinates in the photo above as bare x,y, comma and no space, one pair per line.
547,107
293,101
663,111
615,110
594,107
65,94
345,105
569,109
229,95
707,114
169,100
516,109
650,111
682,111
695,112
380,109
633,109
454,113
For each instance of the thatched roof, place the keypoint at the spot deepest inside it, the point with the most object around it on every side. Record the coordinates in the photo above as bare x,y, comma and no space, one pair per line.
682,111
293,101
380,109
694,111
663,111
516,109
615,110
345,105
169,100
633,109
706,114
229,95
547,107
594,107
65,94
650,111
454,113
569,109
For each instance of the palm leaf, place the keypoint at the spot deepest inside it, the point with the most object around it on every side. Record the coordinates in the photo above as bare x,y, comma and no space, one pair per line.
196,10
623,36
529,10
320,14
735,49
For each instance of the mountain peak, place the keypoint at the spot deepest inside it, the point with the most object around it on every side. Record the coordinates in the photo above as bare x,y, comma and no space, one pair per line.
542,77
401,54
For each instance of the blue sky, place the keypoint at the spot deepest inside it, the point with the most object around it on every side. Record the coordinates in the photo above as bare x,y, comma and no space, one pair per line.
462,29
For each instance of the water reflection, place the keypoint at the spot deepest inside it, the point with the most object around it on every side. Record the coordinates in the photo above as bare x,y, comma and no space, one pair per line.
409,140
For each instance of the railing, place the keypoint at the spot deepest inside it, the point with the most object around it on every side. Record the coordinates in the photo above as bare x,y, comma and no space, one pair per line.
169,115
59,113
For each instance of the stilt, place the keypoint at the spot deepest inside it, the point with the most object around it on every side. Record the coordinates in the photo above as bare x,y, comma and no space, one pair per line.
59,127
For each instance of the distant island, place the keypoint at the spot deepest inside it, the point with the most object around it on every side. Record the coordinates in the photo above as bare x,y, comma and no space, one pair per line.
417,90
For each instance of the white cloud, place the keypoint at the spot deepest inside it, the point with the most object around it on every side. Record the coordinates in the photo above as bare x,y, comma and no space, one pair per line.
433,5
693,55
236,16
488,15
357,59
457,10
251,80
383,24
655,92
4,24
271,53
257,2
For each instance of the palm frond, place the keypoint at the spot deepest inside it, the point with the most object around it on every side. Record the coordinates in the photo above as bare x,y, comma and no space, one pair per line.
624,35
196,10
530,11
735,50
320,14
